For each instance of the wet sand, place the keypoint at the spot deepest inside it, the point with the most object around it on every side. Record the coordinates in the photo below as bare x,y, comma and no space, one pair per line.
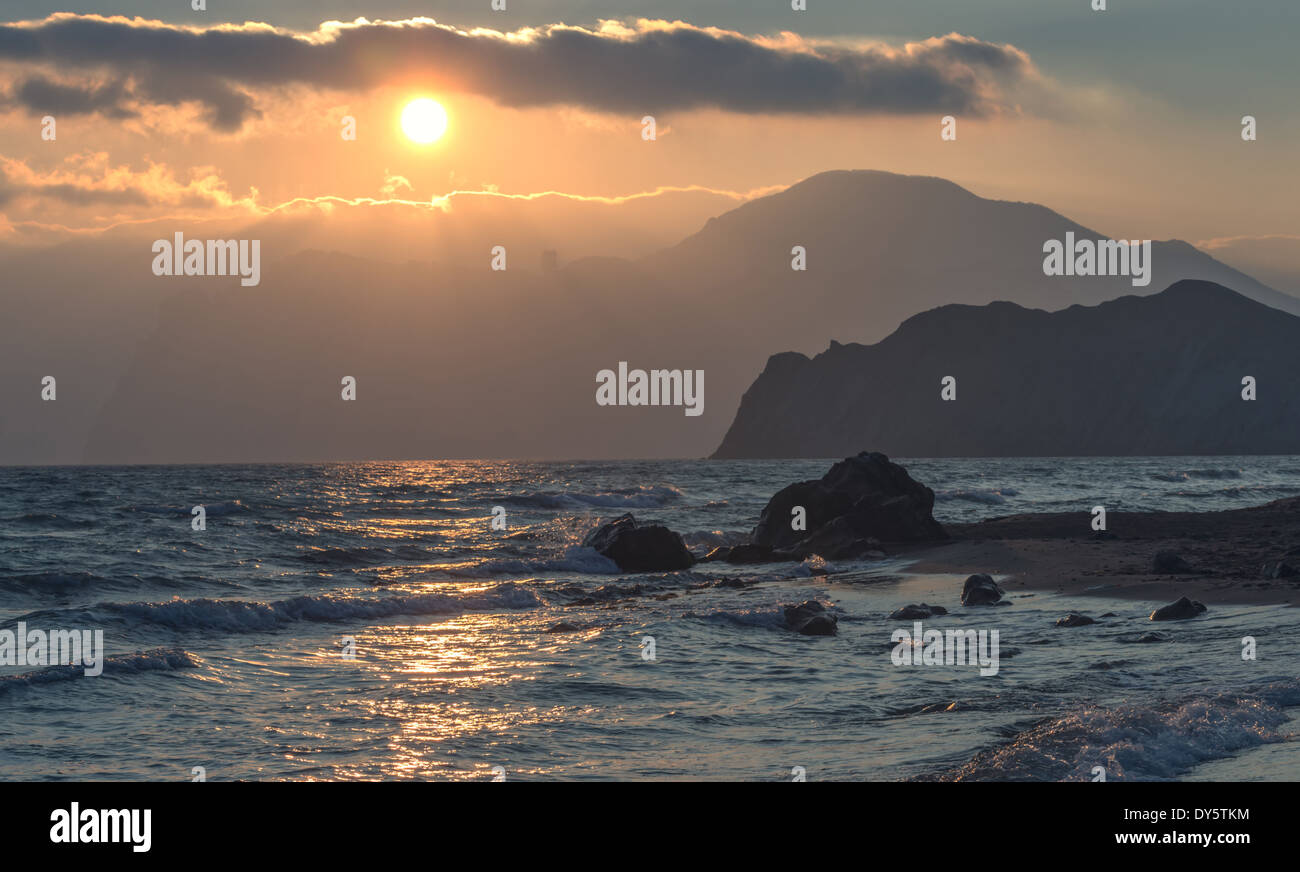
1227,552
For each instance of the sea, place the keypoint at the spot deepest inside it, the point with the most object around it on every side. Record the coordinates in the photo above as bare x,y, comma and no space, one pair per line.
368,621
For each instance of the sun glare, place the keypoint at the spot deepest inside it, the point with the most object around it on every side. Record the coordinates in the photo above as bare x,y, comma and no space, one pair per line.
424,121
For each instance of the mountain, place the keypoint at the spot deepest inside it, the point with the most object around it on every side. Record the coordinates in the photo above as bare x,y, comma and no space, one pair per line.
882,247
454,359
1155,375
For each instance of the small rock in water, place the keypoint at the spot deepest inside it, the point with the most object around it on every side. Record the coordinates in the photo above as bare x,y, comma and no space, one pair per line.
980,590
640,548
1178,611
916,613
811,619
1074,620
1279,569
1169,563
562,627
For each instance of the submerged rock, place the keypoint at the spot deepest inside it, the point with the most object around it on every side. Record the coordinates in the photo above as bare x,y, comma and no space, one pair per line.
916,613
1278,569
861,502
811,619
638,548
750,554
1170,563
1074,620
980,590
1178,611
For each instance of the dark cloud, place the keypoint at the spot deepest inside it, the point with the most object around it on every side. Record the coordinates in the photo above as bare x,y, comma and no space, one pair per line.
635,71
43,96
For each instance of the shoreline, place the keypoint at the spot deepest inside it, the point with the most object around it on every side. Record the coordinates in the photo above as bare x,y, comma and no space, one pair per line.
1227,553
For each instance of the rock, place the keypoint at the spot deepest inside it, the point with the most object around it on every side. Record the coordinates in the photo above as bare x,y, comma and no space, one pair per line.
1073,620
839,540
1170,563
750,554
860,502
1178,611
637,548
980,590
1279,569
717,554
916,613
562,627
811,619
1147,638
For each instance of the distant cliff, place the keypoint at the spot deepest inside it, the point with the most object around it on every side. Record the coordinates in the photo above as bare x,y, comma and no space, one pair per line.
1154,375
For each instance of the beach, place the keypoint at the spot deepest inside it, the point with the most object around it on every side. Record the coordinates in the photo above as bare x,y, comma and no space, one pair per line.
1229,553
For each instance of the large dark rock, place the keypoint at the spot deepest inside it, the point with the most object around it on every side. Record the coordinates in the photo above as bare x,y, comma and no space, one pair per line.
916,613
860,502
980,590
811,619
1178,611
637,548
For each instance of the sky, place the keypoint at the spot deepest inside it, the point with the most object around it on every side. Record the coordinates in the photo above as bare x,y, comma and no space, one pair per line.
1127,120
124,124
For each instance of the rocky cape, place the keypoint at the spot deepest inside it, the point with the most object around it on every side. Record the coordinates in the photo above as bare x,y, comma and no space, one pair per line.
1154,375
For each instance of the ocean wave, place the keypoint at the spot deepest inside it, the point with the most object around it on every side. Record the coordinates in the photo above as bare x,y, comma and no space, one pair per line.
643,497
43,582
49,519
1253,491
245,616
575,558
769,617
1185,475
229,507
365,555
989,496
1136,742
710,539
153,660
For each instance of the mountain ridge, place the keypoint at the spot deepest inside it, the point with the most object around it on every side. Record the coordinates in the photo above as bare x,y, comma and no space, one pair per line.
1155,374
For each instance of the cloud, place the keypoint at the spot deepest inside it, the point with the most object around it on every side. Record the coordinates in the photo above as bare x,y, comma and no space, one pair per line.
46,96
85,180
643,67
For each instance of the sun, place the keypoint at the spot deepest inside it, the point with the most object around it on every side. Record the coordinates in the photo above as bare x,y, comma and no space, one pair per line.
424,121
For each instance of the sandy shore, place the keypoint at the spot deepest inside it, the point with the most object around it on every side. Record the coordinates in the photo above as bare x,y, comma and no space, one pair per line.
1226,551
